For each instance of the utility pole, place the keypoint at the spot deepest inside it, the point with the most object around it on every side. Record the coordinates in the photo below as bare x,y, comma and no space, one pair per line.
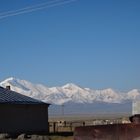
62,109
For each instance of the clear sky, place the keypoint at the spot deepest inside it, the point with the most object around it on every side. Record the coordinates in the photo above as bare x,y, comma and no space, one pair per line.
92,43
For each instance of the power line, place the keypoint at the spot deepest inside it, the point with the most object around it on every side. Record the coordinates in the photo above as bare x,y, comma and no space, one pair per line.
28,7
33,8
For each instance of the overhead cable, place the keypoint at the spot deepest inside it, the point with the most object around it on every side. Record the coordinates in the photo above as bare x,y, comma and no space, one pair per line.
33,8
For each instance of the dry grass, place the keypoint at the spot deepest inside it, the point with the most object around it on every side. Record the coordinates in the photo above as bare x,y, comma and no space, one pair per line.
60,138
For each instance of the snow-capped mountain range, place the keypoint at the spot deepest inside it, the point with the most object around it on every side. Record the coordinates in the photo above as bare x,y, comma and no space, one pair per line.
68,93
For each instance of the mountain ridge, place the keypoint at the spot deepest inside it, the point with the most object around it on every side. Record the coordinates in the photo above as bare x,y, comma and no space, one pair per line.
68,93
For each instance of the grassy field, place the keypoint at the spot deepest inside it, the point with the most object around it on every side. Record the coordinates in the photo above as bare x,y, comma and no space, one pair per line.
85,117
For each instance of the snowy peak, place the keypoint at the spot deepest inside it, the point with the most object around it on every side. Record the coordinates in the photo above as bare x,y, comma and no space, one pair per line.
70,86
68,93
110,96
133,94
15,83
9,81
12,82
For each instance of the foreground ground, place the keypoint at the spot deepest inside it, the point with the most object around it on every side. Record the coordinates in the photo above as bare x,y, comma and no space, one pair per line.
35,137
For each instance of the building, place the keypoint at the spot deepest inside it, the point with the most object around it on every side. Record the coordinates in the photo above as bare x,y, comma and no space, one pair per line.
136,107
21,114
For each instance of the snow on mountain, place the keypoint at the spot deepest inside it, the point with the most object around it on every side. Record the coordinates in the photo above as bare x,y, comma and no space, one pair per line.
133,94
67,93
110,96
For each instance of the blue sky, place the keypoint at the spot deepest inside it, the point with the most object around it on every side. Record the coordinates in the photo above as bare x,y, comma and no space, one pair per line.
91,43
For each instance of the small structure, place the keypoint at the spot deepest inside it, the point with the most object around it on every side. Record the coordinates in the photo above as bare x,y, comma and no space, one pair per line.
21,114
136,106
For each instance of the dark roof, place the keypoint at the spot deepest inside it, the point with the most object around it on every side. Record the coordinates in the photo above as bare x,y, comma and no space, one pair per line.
9,96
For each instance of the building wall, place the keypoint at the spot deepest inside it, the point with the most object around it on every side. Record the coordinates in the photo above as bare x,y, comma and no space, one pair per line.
108,132
24,118
136,107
